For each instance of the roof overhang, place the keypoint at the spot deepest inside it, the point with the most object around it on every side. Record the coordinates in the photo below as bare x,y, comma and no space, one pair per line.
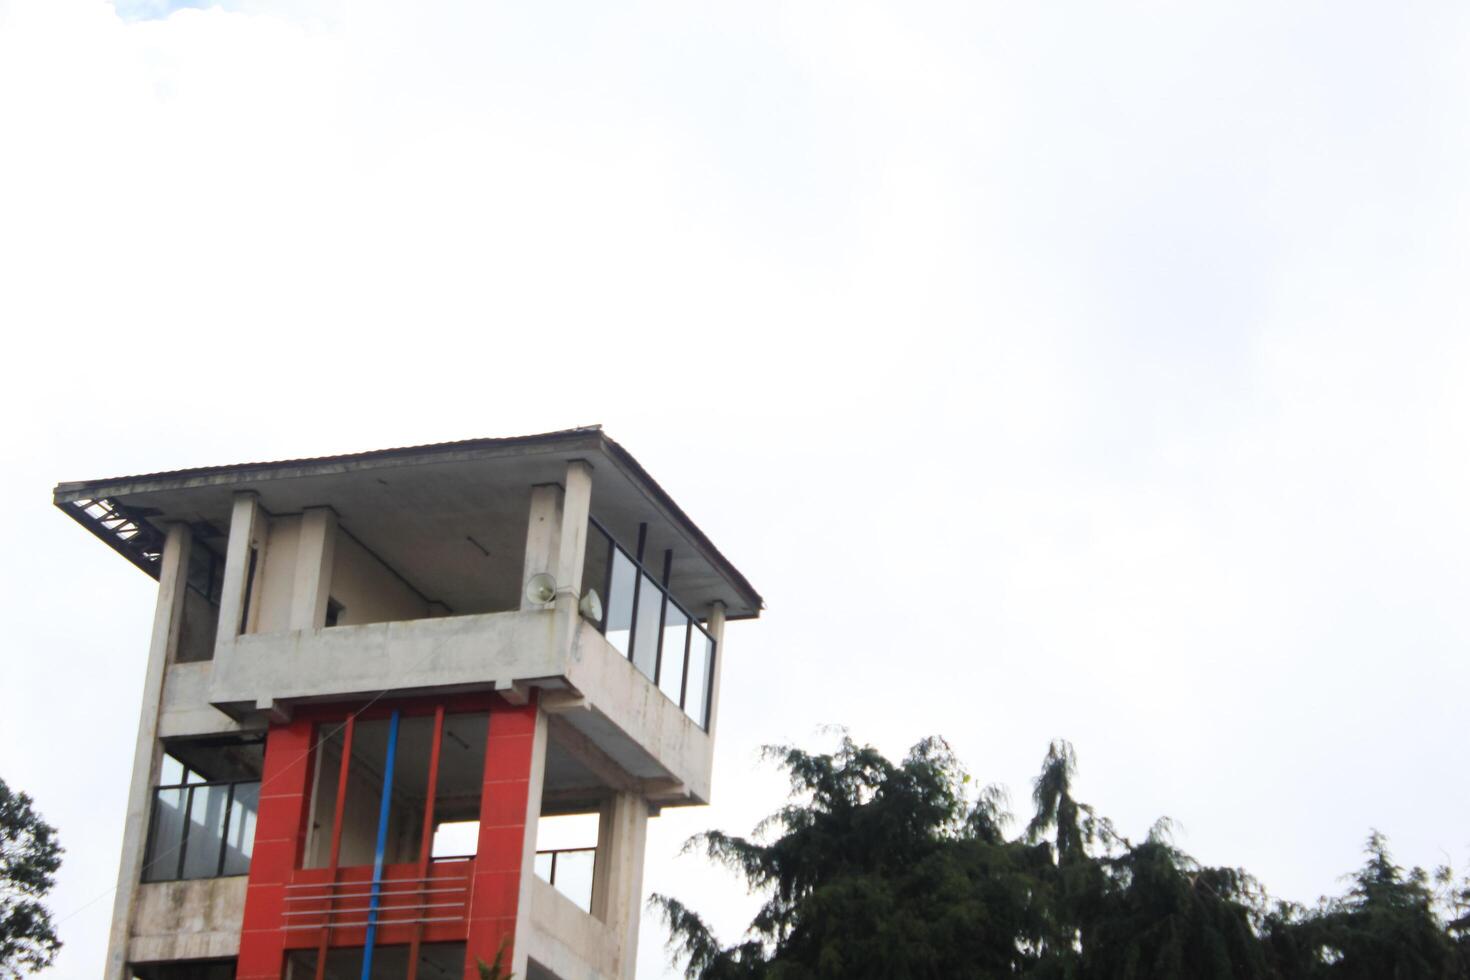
439,482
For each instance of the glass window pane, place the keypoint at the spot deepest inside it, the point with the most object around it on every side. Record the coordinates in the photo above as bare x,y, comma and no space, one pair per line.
460,839
240,840
186,970
620,601
696,691
172,771
218,760
389,962
461,778
205,832
456,796
324,794
671,662
364,791
161,860
567,831
410,790
441,960
543,866
594,563
645,636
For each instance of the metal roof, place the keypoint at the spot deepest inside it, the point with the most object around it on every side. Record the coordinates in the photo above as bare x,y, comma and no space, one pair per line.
96,504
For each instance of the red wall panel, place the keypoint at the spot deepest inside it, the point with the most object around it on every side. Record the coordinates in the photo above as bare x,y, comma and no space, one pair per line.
493,876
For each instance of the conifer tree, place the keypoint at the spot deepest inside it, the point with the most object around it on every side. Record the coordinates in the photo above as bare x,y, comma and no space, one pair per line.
904,872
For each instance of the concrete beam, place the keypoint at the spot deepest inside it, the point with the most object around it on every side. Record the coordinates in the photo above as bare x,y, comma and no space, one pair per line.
514,692
586,752
561,702
277,712
663,790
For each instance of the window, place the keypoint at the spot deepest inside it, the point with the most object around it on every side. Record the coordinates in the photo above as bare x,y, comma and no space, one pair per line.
566,855
644,623
201,605
204,810
437,961
189,970
455,793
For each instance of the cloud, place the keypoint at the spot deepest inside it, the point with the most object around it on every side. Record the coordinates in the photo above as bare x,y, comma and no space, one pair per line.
1059,370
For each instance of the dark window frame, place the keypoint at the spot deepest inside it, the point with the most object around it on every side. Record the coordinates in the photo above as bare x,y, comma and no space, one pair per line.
661,586
191,779
182,843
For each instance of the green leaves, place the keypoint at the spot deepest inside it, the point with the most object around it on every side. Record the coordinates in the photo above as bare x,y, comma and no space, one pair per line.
904,872
1387,926
496,968
29,858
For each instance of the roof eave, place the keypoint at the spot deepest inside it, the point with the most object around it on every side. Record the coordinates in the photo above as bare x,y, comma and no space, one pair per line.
67,495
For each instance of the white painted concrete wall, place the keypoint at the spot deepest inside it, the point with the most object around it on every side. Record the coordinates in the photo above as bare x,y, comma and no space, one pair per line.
186,711
368,590
197,632
620,709
424,654
567,941
276,576
185,920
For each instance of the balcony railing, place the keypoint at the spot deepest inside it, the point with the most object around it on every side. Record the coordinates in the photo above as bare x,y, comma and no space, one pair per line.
569,870
358,903
647,625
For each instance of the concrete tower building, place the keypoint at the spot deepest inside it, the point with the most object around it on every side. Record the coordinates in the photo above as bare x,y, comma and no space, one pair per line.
375,681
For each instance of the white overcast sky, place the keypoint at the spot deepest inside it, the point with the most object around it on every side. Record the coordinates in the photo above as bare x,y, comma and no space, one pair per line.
1095,370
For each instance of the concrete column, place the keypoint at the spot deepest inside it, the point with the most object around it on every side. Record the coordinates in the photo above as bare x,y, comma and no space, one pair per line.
173,573
556,536
617,876
543,538
716,626
575,509
315,549
534,790
247,531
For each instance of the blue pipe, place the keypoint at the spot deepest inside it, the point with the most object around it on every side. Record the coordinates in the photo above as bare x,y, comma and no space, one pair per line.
372,929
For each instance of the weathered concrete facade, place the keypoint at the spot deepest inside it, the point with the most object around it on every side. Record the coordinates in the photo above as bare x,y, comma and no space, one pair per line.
374,681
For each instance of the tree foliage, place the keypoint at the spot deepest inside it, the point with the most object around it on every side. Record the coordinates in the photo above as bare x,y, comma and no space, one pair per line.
29,857
1387,927
904,871
496,969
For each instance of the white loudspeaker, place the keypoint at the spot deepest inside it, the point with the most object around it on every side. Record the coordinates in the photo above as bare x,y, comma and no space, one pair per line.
541,588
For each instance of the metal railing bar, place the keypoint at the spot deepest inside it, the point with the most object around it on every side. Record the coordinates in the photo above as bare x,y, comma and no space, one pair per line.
390,891
343,884
381,922
349,896
364,908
